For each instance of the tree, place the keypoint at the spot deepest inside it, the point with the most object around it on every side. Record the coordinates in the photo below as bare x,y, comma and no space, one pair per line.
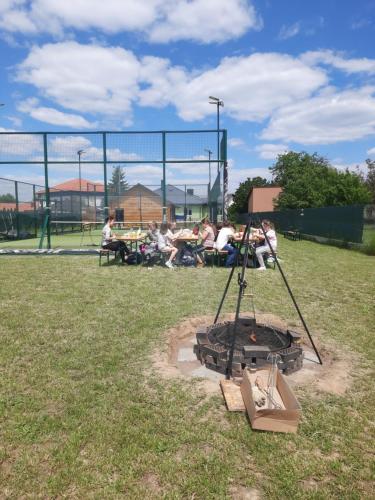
118,184
240,196
6,198
370,179
310,181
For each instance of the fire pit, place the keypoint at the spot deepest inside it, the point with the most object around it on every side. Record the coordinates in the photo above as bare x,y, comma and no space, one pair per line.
254,344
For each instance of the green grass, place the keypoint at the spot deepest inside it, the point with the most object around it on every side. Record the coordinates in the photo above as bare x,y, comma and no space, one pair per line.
368,233
82,414
65,240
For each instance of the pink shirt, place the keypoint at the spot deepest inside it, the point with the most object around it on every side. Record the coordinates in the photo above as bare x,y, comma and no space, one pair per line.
209,241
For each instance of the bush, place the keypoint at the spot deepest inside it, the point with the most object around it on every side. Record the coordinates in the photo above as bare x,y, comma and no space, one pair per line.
369,248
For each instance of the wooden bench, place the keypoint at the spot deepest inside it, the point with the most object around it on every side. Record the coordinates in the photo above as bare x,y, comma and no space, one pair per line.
292,235
220,254
106,252
212,254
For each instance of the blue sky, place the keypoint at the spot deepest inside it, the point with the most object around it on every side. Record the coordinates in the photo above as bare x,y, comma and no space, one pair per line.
293,75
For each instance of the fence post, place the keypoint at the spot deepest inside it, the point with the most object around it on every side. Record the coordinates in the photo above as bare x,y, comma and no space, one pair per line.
106,207
35,218
225,173
163,182
48,208
17,209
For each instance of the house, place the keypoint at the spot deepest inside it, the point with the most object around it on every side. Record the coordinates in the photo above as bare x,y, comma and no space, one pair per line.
184,204
137,204
11,206
262,199
140,203
79,199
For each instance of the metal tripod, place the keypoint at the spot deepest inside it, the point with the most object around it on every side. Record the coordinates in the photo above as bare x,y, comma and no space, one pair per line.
242,284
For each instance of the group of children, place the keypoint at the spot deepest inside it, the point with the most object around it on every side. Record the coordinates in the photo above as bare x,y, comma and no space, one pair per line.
169,241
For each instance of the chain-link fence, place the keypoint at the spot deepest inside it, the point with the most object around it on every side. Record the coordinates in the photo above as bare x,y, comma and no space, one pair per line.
83,177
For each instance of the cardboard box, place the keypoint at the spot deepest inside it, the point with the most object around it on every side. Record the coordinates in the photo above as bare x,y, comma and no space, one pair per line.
276,420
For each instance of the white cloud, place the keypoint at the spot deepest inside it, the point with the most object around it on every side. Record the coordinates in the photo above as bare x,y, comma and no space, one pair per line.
84,78
20,147
144,173
338,61
109,80
270,151
236,142
289,31
360,23
204,21
325,119
52,116
371,152
238,175
252,87
360,167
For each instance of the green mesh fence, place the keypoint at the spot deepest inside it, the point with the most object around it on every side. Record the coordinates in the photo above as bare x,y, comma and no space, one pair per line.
333,223
161,169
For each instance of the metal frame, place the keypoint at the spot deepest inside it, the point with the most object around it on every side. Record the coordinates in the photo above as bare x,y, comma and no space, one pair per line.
164,161
242,284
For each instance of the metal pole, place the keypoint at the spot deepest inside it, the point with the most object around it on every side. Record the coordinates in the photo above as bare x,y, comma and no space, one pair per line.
291,294
185,207
34,209
231,275
209,184
242,285
225,175
48,208
163,182
106,207
17,209
80,185
95,203
218,135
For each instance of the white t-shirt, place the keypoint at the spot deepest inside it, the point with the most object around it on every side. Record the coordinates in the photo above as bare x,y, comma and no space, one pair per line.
106,235
271,235
164,240
223,237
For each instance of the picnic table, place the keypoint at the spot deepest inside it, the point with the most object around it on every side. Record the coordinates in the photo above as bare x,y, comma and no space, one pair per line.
292,234
126,238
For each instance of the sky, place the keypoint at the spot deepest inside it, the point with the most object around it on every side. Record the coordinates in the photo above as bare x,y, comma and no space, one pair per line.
293,75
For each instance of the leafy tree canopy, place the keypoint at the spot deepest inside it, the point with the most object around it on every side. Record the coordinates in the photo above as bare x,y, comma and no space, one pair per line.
310,181
5,198
240,196
118,183
370,179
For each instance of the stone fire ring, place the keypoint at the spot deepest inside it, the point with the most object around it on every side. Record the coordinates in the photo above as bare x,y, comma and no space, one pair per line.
254,344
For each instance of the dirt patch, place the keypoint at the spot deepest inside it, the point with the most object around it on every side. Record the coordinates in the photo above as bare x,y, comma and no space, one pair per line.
242,493
151,482
176,360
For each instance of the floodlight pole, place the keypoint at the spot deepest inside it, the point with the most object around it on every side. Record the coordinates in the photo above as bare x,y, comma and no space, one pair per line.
80,152
218,102
209,182
164,187
47,219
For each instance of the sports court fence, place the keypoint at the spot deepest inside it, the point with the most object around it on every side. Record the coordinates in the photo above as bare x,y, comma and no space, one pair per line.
162,169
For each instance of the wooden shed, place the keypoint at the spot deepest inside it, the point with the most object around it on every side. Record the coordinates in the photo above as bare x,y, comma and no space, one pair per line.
137,204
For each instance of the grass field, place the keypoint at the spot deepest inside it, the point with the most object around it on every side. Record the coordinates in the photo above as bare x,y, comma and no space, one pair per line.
91,240
61,240
84,415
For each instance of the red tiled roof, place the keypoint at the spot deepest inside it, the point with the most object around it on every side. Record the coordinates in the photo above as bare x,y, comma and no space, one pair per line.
22,207
73,185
